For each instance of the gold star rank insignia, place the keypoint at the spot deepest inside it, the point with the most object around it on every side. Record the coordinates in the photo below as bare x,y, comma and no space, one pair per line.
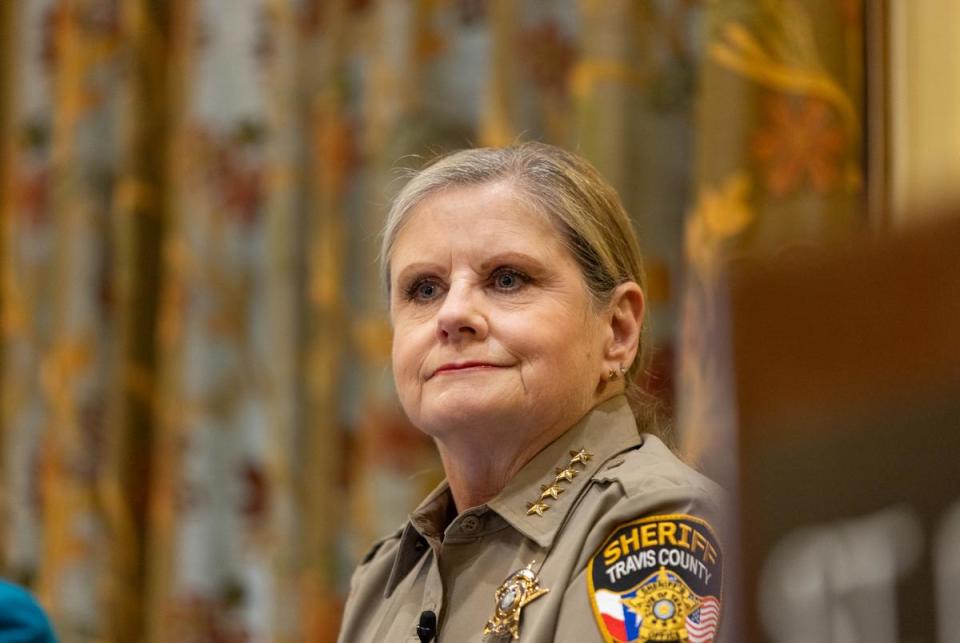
520,588
551,491
581,456
537,508
567,474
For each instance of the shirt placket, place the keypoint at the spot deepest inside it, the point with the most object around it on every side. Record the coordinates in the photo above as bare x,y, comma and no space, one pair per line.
464,526
433,594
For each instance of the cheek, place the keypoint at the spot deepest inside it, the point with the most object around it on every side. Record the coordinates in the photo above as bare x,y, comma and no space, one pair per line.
531,333
407,355
579,345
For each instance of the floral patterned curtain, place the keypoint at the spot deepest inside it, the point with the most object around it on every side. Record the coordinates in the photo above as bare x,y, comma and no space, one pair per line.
780,149
198,434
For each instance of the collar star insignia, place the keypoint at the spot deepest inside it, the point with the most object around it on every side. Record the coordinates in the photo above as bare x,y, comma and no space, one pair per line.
551,491
581,456
537,507
567,474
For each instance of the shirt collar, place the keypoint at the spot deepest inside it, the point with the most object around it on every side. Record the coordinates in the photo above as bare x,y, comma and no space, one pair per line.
528,501
426,524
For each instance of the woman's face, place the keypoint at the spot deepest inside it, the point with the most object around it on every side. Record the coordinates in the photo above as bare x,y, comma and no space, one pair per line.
494,328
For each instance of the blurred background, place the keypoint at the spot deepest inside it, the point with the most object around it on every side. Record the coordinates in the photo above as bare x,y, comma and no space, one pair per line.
198,430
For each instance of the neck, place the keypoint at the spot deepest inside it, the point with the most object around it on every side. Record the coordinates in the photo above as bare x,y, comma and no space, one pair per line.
480,462
477,472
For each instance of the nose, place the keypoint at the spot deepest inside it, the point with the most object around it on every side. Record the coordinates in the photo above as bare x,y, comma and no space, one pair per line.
461,315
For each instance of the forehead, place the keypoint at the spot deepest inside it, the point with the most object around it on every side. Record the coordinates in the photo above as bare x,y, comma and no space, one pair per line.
473,217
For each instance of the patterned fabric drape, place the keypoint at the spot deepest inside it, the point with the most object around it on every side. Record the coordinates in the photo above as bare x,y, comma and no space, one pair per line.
198,434
779,165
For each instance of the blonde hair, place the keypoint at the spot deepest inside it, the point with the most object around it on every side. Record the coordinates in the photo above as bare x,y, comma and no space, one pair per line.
569,190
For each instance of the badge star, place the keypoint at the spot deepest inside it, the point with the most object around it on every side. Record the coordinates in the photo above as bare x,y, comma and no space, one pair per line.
551,491
567,474
519,590
581,457
537,508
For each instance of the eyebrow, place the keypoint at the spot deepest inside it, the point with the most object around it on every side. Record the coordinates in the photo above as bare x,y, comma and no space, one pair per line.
486,264
509,257
419,267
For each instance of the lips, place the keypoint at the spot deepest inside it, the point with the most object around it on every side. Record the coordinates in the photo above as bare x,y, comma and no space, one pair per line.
458,367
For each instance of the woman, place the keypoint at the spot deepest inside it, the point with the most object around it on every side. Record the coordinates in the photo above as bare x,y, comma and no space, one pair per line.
516,298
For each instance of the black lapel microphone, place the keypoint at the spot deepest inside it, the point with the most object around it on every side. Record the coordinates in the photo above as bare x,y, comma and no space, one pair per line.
428,626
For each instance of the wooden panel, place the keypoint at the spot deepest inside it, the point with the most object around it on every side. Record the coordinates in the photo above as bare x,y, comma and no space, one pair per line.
830,329
848,394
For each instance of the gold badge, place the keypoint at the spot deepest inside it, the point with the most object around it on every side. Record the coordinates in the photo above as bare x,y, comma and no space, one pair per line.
514,594
663,603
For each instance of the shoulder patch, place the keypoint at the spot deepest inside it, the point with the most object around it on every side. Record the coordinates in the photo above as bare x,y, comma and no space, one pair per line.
657,579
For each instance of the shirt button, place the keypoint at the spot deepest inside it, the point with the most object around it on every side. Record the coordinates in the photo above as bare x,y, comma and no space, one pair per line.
420,545
470,524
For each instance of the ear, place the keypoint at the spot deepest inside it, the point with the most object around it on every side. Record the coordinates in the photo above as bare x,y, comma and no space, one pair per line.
626,309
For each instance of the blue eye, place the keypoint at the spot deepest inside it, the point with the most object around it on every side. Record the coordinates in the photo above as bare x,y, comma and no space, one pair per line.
423,290
426,290
507,279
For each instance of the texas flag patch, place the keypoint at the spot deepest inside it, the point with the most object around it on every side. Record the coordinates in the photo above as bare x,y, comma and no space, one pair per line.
658,579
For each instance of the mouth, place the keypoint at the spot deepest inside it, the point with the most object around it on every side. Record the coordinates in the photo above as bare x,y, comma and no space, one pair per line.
463,367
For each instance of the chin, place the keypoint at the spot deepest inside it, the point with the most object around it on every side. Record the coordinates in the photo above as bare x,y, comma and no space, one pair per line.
467,411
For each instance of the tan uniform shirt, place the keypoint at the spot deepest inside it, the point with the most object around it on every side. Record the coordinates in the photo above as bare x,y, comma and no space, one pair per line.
454,568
